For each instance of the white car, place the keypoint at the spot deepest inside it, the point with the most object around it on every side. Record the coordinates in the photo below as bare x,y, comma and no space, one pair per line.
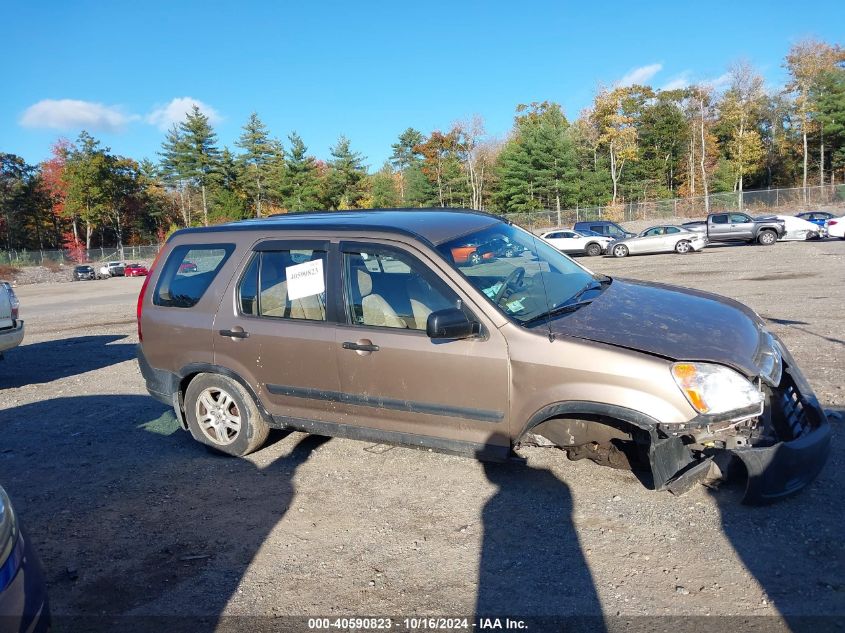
577,242
659,239
11,327
798,229
836,227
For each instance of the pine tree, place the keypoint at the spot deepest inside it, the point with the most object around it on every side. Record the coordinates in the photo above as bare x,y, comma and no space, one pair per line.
406,155
343,187
301,183
201,155
258,153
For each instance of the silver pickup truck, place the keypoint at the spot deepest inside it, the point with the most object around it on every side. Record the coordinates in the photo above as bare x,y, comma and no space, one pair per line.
11,327
739,227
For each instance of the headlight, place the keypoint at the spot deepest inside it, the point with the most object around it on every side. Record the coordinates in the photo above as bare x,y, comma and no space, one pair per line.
770,360
715,389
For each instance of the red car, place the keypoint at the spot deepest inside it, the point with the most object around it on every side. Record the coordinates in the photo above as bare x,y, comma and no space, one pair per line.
187,267
136,270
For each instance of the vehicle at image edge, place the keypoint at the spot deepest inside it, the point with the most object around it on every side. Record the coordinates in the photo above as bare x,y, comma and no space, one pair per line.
659,239
23,590
798,230
11,326
603,227
819,218
836,227
738,227
82,272
112,269
135,270
362,325
575,242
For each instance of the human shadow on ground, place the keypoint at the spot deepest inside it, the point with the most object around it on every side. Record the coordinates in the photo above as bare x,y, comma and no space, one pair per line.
135,521
532,566
61,358
794,548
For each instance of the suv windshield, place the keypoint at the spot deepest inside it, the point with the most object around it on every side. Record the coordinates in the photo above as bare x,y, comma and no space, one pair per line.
530,285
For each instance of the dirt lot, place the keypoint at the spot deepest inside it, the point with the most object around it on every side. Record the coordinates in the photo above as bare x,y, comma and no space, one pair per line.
132,517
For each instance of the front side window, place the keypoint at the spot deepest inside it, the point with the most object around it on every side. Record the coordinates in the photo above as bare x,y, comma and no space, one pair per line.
285,284
538,283
652,232
188,273
386,288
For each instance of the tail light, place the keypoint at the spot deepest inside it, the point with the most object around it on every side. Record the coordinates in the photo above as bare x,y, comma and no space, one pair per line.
140,307
832,222
15,313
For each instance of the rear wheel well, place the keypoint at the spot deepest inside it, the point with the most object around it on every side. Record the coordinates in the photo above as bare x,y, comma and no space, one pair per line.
190,375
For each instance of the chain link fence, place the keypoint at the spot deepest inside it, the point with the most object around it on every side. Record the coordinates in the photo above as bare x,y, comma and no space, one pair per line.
19,258
766,201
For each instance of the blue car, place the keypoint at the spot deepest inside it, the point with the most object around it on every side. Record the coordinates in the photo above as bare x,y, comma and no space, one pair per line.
816,217
23,592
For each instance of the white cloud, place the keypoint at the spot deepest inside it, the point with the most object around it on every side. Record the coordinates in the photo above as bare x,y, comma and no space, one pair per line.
677,82
72,114
640,75
719,82
175,111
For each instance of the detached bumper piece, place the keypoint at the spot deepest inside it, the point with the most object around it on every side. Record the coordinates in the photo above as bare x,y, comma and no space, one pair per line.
789,451
784,468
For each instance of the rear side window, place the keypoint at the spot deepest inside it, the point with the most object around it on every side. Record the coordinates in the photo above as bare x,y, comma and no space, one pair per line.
719,219
188,273
285,284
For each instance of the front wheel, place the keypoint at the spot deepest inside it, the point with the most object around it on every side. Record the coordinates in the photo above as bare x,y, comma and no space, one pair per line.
767,238
683,247
222,415
475,259
593,249
620,250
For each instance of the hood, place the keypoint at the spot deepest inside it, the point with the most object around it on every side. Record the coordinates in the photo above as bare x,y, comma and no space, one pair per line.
673,322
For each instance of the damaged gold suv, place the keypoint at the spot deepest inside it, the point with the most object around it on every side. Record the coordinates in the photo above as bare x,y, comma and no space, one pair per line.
408,327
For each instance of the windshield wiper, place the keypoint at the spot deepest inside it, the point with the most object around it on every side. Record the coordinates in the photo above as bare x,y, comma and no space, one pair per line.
561,309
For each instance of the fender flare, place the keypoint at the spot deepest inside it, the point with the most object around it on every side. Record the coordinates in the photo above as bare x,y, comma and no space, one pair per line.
208,368
667,456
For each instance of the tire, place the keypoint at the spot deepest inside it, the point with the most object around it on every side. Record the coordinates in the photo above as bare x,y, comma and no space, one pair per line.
509,252
620,250
474,259
236,427
767,238
683,247
593,249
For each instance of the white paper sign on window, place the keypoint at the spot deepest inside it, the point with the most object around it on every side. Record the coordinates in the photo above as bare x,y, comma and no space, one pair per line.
305,280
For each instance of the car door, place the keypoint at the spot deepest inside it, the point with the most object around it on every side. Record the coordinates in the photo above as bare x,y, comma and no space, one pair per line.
671,236
275,329
555,239
718,226
393,377
742,226
648,242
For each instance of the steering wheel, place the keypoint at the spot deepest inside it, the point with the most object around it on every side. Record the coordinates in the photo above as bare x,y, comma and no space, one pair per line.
515,279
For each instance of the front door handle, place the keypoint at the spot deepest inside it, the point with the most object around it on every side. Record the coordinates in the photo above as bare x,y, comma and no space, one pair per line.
363,346
236,332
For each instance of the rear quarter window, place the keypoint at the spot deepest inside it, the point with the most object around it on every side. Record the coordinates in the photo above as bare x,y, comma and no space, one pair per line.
188,272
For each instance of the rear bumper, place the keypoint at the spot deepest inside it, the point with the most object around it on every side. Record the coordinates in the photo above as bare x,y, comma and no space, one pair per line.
23,603
11,337
161,384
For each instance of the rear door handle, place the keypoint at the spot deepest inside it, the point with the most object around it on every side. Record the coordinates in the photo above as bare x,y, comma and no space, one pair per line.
360,347
234,333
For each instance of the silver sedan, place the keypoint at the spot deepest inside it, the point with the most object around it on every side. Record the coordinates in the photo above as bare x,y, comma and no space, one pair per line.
659,239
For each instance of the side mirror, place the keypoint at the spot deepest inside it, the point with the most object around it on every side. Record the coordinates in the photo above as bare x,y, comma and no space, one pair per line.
451,323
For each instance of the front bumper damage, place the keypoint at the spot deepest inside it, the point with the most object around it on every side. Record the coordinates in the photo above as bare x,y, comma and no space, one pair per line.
785,452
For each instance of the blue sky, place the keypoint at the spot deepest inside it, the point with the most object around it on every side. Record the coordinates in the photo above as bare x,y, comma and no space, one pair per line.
125,70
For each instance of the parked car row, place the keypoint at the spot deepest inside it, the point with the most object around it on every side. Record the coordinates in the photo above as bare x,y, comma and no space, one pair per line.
109,269
605,237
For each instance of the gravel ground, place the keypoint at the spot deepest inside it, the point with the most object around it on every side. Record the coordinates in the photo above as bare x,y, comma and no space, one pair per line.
132,517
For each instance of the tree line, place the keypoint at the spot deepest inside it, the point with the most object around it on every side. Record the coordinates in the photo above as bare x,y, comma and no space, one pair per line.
633,143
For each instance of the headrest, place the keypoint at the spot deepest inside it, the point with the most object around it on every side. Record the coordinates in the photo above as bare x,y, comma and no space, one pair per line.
365,282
